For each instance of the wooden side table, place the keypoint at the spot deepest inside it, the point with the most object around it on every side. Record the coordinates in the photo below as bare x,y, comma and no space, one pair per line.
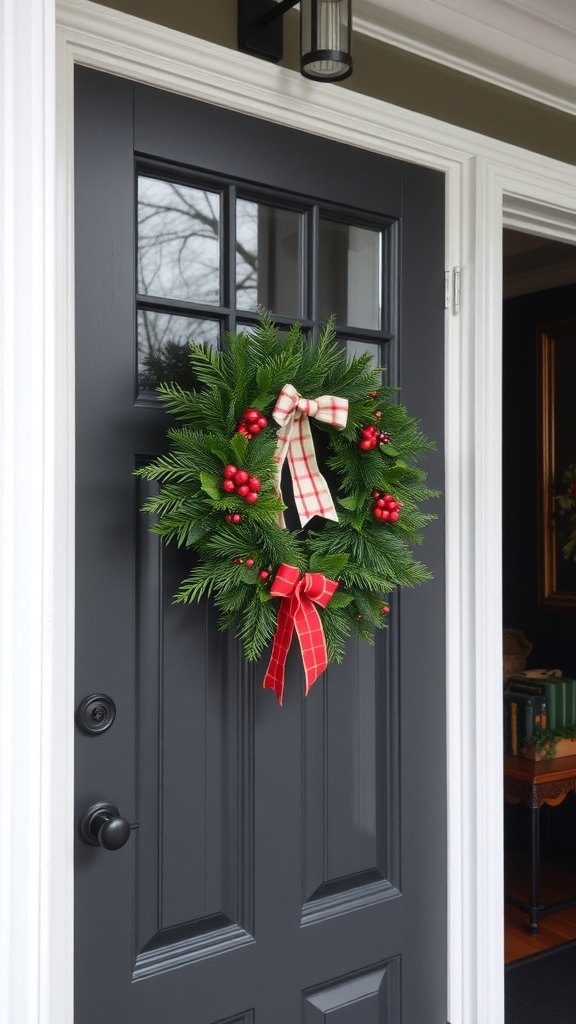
536,783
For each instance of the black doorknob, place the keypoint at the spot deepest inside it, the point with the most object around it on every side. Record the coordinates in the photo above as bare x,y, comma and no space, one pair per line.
103,826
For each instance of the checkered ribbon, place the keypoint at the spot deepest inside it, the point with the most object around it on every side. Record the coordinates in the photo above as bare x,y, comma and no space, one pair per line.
298,612
291,412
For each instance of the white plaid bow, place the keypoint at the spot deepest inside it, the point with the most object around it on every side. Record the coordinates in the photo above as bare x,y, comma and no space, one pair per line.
291,412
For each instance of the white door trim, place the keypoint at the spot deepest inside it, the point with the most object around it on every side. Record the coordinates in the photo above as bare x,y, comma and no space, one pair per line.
487,181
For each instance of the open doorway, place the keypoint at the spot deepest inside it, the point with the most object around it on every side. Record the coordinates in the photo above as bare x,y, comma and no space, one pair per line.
539,310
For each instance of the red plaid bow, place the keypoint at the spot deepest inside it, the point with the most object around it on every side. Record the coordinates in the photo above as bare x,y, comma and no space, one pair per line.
298,612
291,412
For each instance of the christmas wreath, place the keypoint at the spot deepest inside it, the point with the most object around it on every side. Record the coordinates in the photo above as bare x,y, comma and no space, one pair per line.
220,493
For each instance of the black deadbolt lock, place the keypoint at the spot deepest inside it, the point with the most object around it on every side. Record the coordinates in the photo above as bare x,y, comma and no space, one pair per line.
95,713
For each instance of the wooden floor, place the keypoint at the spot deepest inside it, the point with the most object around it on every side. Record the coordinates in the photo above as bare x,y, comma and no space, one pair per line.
558,881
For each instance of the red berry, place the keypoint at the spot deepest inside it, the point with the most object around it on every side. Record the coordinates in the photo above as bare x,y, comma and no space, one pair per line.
367,431
251,415
241,476
372,394
378,415
228,486
262,422
254,428
251,497
385,609
380,503
236,518
230,471
365,445
237,561
394,516
254,483
242,429
229,518
385,513
375,494
377,512
373,440
249,563
243,490
264,574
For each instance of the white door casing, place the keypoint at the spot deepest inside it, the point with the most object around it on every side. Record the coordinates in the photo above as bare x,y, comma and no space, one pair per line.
489,184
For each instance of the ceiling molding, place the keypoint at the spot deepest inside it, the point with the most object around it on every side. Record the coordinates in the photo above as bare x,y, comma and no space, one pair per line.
507,43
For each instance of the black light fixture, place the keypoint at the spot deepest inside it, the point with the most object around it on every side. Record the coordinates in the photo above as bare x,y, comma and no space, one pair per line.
325,34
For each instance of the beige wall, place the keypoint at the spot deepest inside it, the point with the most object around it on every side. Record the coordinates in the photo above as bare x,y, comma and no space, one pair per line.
391,74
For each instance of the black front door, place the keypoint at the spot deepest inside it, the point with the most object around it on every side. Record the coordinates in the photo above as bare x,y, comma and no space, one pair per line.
290,863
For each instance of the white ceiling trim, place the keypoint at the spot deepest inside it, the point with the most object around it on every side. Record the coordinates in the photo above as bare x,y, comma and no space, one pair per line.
503,42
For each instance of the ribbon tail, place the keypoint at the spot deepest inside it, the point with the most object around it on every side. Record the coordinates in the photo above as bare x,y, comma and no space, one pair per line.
274,678
312,640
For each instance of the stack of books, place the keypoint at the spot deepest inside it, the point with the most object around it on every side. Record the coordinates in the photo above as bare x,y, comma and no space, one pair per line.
535,703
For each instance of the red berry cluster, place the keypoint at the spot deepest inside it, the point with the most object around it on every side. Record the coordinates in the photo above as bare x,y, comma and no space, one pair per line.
252,423
371,436
385,507
239,481
234,517
250,563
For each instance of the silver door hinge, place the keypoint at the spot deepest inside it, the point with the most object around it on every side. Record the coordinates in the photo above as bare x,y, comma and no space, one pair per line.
452,287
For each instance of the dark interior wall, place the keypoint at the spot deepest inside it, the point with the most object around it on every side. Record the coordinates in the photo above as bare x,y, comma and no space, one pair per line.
390,74
551,631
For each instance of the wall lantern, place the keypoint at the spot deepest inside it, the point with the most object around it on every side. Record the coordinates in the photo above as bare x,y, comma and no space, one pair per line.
325,34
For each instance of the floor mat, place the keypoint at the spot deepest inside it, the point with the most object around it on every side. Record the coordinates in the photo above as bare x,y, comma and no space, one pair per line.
541,989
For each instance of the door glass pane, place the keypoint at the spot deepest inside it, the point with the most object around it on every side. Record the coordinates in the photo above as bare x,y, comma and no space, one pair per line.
360,348
178,241
269,265
350,274
162,347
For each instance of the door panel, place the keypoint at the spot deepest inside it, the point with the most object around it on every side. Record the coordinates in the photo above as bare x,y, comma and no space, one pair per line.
289,864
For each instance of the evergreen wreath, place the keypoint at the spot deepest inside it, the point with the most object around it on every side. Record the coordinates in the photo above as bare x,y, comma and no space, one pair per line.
219,489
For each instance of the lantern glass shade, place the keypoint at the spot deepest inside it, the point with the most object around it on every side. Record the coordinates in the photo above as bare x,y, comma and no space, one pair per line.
326,39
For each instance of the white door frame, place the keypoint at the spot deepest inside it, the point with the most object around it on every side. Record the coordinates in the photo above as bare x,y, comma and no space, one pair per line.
488,185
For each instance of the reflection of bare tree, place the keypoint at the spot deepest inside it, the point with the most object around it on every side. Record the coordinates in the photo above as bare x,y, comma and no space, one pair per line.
163,342
170,364
179,236
178,241
179,257
247,254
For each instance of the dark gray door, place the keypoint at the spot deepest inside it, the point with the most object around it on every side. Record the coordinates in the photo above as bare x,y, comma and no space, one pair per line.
290,863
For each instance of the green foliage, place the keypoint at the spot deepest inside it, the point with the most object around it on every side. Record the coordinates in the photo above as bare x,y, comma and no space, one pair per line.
367,557
545,742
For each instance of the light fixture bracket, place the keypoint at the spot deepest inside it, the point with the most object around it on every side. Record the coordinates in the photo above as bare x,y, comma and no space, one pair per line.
260,27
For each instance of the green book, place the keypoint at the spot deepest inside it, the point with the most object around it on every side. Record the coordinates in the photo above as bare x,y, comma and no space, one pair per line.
570,685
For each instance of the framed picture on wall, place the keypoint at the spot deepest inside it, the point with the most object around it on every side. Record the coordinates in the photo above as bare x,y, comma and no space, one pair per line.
557,465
